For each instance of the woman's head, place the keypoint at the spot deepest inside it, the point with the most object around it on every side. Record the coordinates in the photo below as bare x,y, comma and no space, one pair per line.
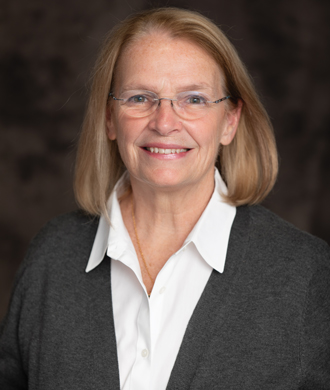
248,164
168,114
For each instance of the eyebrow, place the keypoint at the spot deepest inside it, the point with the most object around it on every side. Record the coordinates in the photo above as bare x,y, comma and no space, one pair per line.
189,87
195,87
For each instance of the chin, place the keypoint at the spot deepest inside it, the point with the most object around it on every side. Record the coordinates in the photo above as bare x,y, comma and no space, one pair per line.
164,179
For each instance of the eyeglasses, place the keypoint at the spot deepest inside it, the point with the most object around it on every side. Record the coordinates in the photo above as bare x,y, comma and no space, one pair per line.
188,105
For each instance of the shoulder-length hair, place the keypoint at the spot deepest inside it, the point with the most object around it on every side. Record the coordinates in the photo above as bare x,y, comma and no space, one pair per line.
248,164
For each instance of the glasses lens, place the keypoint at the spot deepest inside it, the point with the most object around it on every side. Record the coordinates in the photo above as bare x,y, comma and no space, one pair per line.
192,104
138,103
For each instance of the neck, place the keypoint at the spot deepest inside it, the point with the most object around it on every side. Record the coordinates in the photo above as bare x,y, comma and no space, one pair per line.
165,210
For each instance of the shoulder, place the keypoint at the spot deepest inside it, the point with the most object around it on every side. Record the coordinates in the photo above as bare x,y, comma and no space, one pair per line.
64,241
55,261
280,239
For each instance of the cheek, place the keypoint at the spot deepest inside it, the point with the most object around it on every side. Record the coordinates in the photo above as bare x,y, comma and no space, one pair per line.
128,133
208,135
123,131
124,144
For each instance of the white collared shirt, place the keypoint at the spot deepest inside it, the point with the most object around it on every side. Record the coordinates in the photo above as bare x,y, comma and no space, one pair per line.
149,331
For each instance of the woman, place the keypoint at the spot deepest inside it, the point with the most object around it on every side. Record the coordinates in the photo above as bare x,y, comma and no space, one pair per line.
181,283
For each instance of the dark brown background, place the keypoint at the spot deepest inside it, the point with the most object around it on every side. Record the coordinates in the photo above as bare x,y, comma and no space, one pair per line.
47,50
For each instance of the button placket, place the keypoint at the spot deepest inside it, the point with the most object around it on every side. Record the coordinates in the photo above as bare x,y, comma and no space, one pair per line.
141,370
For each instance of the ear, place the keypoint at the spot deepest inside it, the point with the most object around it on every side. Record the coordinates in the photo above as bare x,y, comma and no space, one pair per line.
233,117
111,132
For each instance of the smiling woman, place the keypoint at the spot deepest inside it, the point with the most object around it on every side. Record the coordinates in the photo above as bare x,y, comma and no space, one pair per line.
171,277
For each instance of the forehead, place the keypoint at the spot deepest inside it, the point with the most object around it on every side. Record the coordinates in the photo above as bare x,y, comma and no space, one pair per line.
158,61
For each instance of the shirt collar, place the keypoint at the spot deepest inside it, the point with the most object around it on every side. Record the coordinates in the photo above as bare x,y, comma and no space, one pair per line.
106,238
211,232
210,235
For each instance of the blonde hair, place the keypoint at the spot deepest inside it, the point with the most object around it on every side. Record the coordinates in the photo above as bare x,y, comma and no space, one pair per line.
248,164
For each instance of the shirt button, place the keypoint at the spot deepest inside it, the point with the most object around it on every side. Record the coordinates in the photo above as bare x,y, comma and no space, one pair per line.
162,290
145,353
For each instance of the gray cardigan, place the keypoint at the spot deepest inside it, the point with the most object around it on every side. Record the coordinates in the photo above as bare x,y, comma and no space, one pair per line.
264,323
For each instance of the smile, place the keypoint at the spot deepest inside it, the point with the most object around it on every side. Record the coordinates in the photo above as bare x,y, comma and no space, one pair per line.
166,151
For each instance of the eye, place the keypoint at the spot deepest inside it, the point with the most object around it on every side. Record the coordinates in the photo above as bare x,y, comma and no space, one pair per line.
138,99
196,100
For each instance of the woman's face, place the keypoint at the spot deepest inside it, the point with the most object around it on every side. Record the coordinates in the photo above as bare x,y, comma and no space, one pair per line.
167,66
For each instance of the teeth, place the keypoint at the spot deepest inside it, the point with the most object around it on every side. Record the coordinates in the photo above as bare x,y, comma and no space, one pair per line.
166,151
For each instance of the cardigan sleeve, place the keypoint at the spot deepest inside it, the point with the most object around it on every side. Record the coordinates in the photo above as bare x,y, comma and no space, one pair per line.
315,335
12,375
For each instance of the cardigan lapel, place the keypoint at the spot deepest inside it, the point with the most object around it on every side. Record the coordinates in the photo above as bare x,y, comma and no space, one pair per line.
102,331
210,310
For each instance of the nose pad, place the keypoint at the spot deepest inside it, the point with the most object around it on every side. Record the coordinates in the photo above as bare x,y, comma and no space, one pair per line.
165,99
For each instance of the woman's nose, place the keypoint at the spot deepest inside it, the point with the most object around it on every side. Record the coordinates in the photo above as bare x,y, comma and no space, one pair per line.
165,120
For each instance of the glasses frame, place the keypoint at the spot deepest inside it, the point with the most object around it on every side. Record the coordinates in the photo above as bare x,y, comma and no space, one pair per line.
165,98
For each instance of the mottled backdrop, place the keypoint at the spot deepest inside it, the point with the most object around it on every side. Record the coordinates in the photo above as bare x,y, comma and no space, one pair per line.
47,50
